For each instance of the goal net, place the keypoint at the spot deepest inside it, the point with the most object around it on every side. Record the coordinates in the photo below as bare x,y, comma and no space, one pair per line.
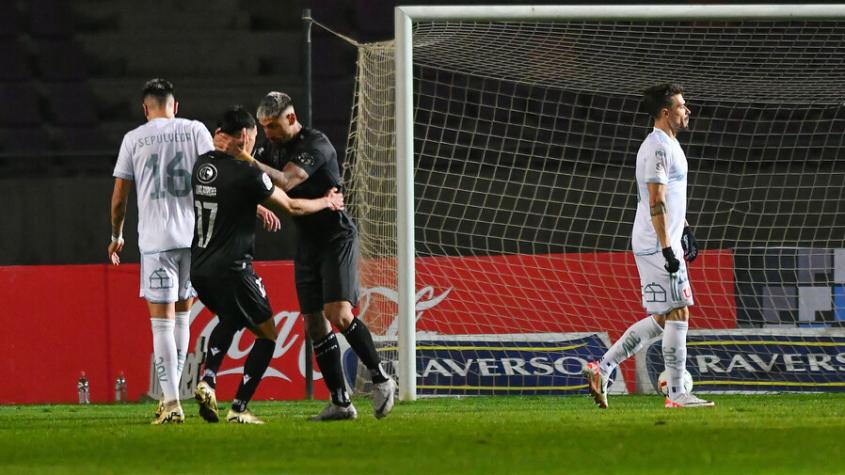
525,136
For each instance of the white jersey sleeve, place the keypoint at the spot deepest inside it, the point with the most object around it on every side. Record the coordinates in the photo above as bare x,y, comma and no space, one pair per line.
654,162
123,168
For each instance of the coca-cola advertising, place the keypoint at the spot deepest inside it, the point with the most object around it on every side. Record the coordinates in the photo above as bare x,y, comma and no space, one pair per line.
61,320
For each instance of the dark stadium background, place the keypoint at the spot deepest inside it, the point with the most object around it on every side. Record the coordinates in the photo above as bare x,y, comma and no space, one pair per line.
69,86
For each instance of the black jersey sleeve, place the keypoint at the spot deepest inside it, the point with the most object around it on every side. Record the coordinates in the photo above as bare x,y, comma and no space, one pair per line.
259,186
311,158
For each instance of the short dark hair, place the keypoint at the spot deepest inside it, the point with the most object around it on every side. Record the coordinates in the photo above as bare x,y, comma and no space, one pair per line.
659,97
159,89
234,119
273,104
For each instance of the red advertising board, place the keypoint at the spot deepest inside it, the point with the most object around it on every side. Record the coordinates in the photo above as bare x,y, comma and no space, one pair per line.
60,320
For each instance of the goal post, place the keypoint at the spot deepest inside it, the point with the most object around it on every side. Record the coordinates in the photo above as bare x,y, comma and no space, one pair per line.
500,140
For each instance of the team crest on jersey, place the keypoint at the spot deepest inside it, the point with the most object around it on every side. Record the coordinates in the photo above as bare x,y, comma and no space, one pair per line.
207,173
266,179
306,159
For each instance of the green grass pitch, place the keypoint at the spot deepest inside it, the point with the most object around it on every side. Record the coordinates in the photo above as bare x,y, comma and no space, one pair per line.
788,433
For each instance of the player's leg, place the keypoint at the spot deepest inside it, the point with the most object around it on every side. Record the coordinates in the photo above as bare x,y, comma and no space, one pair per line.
159,289
256,364
339,268
182,328
675,349
678,300
182,333
361,341
309,290
598,372
327,353
252,300
214,293
631,342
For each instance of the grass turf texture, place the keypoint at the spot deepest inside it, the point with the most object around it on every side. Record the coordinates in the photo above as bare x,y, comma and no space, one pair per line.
788,433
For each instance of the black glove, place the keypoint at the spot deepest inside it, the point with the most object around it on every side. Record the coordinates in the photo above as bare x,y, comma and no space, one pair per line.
689,245
672,262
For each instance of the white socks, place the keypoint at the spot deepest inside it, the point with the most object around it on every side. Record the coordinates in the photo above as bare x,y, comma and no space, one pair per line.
631,342
182,334
164,348
675,355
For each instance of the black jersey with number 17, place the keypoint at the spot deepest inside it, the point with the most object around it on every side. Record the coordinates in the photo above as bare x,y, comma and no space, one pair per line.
226,193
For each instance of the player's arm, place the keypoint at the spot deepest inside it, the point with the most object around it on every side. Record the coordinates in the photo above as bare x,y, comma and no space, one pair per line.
287,178
268,219
119,201
280,200
659,213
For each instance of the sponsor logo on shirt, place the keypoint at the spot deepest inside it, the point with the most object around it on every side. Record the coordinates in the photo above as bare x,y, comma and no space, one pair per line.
203,190
654,292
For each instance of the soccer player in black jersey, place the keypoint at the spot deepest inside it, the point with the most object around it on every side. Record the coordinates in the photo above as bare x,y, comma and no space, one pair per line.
303,162
226,194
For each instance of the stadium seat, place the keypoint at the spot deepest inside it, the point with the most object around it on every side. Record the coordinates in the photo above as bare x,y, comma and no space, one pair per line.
10,21
24,140
88,139
71,105
16,65
50,18
61,60
20,105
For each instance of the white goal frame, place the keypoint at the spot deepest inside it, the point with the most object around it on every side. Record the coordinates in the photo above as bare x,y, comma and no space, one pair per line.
404,16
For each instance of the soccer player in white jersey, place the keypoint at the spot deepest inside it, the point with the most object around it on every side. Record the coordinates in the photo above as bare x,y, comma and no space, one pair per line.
159,156
660,235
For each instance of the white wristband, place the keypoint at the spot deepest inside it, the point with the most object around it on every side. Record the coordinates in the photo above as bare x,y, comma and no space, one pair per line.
117,238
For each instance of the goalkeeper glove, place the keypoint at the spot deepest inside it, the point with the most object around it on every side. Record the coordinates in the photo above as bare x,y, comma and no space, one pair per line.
689,245
672,263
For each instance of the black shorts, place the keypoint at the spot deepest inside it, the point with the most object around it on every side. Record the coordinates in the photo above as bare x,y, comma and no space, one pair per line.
326,273
238,297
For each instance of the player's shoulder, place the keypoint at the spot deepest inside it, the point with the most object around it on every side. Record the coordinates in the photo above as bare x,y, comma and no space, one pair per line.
654,141
187,124
140,129
313,138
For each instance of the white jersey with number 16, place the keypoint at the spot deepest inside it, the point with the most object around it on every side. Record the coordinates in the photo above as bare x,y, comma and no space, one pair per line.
660,159
159,157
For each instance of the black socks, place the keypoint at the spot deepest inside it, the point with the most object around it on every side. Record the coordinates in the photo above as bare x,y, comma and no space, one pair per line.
327,352
361,341
256,363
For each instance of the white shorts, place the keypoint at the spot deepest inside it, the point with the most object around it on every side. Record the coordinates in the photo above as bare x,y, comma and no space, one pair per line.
166,276
661,291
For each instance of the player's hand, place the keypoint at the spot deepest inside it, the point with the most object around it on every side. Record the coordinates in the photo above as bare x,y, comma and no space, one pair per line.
115,246
672,262
335,198
689,245
226,143
268,219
